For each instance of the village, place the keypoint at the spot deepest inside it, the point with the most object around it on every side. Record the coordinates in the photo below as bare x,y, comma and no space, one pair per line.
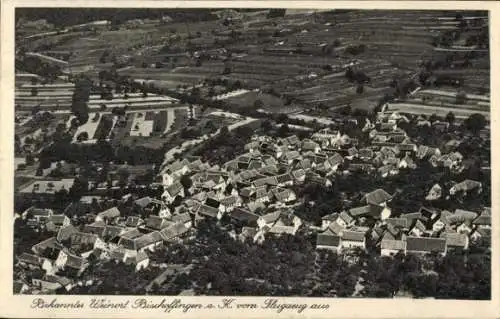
221,185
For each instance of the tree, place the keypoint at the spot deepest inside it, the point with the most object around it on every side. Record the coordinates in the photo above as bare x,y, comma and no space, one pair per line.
284,130
258,104
359,89
186,181
461,98
34,91
475,123
450,117
83,136
266,125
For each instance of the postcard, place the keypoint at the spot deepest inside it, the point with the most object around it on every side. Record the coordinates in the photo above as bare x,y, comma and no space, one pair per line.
249,159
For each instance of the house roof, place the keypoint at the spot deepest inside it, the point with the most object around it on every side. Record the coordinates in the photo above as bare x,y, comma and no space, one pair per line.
75,262
467,215
30,259
360,211
271,217
401,222
377,197
334,228
277,229
331,217
253,206
156,222
110,213
133,233
174,189
283,178
181,218
173,231
467,185
346,217
99,230
133,221
353,235
243,215
455,239
58,219
482,220
327,240
425,244
392,244
65,232
147,239
208,211
144,201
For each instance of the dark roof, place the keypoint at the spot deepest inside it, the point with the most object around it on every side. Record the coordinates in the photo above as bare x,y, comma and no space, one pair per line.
173,231
402,222
353,235
482,220
377,197
425,244
327,240
113,212
208,211
156,222
182,218
243,215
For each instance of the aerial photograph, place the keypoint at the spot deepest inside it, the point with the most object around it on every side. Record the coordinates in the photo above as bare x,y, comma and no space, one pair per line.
339,153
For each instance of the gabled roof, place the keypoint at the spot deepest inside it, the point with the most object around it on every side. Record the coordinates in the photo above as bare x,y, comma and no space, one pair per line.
360,211
144,201
282,230
331,217
334,229
425,244
419,225
377,197
133,221
467,215
353,235
181,218
208,211
30,259
58,219
327,240
174,189
147,239
482,220
173,231
392,244
455,239
65,232
95,228
346,217
111,213
156,222
75,262
243,215
401,222
271,217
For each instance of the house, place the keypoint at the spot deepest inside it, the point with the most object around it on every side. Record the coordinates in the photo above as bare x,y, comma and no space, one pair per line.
109,215
261,195
279,219
466,186
31,261
20,287
140,261
481,237
328,241
345,220
308,145
418,229
378,197
173,232
328,219
73,264
424,151
299,175
398,222
82,244
56,222
284,180
367,210
440,223
465,227
434,193
134,221
351,239
407,162
482,221
132,246
244,217
456,240
37,215
208,211
284,195
280,230
184,218
172,192
156,223
389,247
424,245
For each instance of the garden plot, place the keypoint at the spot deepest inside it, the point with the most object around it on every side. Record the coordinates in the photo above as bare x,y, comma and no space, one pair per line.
141,126
90,127
438,110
